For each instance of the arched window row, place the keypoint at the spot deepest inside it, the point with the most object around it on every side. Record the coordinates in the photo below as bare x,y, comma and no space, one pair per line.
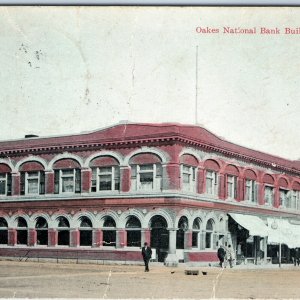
145,172
202,235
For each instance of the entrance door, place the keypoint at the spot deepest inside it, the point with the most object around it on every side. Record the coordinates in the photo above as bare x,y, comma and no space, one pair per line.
159,237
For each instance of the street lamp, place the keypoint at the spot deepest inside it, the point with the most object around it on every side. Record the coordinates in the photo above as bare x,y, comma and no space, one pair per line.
274,226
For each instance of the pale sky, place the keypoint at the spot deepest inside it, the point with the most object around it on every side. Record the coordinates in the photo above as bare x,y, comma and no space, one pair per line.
66,70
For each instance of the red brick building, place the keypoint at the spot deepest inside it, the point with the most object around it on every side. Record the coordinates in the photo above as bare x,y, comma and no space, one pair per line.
101,195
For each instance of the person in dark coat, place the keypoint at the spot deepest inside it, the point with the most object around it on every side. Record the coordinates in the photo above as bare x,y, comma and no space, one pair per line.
221,255
146,253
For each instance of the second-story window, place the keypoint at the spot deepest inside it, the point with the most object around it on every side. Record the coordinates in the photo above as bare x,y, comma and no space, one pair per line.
295,199
284,198
269,195
5,184
231,187
147,177
32,183
188,174
105,179
67,181
211,182
250,191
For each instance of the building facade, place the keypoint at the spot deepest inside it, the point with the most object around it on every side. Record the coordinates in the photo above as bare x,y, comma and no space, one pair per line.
101,195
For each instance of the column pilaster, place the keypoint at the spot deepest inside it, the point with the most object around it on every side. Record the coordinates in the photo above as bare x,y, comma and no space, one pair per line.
74,238
15,184
52,237
121,238
32,237
171,259
49,182
12,237
97,238
125,177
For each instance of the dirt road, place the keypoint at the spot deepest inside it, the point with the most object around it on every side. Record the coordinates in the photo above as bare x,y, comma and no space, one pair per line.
49,280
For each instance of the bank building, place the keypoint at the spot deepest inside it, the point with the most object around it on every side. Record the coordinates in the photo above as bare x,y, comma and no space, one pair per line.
100,195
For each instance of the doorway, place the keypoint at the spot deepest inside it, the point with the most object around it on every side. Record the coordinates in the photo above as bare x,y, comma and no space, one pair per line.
159,237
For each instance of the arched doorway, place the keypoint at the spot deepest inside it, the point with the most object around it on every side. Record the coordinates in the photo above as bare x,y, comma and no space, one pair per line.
159,237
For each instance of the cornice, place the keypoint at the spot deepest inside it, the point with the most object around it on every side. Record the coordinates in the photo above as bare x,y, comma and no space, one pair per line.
149,139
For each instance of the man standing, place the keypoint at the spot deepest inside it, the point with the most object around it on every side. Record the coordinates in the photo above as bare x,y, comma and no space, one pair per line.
146,253
221,255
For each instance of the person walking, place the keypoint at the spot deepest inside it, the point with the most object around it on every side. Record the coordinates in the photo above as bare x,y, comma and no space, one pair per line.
221,255
146,253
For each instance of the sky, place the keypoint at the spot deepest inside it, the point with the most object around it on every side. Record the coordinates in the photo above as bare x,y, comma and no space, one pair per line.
66,70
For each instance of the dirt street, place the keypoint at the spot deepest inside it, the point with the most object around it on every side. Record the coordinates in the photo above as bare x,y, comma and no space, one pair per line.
48,280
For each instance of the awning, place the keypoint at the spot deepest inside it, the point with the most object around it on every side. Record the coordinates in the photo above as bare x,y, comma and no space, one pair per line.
277,230
255,225
282,231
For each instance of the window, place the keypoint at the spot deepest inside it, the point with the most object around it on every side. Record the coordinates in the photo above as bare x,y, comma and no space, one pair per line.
63,232
3,232
250,191
105,179
295,200
183,226
284,198
67,181
5,184
86,232
211,183
196,233
231,187
22,231
32,183
109,232
41,231
188,174
133,229
147,177
269,195
209,233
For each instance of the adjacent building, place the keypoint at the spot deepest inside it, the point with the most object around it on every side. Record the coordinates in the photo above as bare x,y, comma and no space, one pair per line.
101,195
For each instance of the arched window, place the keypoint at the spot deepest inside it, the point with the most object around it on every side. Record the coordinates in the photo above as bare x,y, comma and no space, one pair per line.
105,174
211,177
232,173
295,202
63,232
67,176
268,181
109,232
3,232
5,180
86,232
251,190
41,231
22,231
284,193
133,229
188,172
209,233
32,178
196,233
183,226
146,172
